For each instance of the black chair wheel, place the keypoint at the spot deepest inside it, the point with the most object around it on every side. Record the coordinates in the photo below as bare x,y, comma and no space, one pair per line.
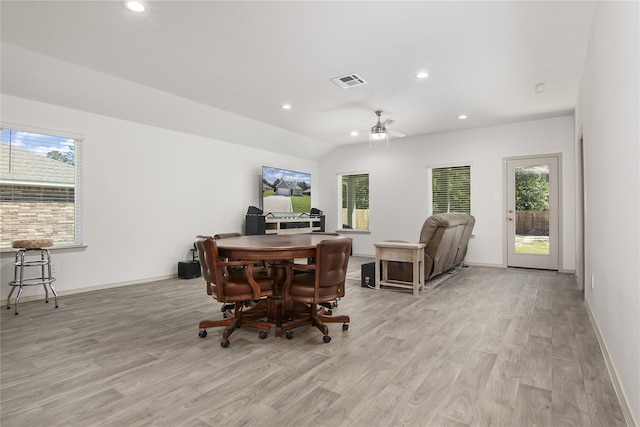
263,335
203,333
56,305
345,326
326,338
224,343
289,335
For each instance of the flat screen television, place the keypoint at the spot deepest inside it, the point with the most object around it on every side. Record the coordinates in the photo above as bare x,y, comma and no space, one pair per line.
285,191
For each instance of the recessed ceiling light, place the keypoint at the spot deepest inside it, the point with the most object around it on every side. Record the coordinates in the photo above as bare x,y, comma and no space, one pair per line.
422,75
354,133
135,6
462,116
286,106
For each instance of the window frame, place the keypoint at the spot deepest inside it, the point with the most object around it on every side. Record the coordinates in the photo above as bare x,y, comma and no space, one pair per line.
78,186
339,180
430,169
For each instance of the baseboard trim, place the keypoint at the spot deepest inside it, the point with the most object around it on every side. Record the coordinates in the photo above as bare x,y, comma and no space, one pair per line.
41,297
480,264
624,403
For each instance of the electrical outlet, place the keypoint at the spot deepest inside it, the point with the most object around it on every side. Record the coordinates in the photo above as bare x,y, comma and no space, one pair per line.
593,282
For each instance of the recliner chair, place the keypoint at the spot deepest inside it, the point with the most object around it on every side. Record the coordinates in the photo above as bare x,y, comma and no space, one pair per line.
447,237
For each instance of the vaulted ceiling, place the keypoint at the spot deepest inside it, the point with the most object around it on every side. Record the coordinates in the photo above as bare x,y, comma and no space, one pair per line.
484,59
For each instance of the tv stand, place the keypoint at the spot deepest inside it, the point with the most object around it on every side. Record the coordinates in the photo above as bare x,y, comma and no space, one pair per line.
286,224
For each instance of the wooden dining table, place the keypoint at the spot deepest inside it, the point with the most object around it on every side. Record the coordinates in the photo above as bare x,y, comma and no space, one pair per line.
273,249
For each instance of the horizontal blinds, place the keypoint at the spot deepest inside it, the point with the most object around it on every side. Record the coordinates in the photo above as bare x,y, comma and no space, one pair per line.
355,201
355,188
451,188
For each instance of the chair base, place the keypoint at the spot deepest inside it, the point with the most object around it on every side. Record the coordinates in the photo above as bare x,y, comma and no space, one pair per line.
241,318
317,317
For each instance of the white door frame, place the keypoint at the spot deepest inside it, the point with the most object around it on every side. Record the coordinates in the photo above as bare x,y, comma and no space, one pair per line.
554,260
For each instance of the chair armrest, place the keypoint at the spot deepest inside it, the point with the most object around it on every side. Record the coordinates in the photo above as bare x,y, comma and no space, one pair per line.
255,287
290,268
307,267
248,266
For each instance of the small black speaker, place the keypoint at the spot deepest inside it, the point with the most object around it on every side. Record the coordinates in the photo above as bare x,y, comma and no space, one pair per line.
368,275
253,210
315,211
189,269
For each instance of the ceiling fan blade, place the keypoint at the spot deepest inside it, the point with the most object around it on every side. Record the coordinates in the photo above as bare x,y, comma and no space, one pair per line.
387,122
396,134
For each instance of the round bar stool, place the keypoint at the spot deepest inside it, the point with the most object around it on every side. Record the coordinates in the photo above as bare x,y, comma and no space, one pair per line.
44,262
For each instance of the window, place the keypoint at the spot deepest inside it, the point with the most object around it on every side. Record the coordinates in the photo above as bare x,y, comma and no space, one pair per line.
451,189
40,187
354,200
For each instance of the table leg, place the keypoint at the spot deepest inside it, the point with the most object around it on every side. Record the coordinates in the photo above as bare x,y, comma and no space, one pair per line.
377,268
416,274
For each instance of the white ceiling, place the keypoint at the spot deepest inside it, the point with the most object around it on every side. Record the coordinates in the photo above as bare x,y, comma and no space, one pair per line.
248,58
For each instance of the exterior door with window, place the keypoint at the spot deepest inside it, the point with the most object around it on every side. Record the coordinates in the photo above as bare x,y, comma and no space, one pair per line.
532,215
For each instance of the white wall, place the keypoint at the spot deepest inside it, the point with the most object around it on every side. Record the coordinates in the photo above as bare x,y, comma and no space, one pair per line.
398,182
609,114
148,192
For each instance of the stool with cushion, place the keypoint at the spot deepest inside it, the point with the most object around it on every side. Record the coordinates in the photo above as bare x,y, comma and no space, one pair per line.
22,263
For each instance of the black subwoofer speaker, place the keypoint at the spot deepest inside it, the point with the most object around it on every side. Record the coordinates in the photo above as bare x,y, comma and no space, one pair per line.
368,275
189,269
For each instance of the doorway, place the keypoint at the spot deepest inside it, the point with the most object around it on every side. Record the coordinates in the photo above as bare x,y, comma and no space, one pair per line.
532,217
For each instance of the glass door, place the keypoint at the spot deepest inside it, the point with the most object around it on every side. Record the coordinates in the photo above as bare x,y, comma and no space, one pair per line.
532,212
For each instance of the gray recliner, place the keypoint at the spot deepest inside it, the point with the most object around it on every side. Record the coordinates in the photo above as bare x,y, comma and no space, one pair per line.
447,237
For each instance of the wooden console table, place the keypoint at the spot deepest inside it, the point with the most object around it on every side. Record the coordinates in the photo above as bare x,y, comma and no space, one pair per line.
403,252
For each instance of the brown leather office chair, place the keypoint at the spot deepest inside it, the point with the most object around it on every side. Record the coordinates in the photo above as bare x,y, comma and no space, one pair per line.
328,305
228,309
322,282
239,286
258,270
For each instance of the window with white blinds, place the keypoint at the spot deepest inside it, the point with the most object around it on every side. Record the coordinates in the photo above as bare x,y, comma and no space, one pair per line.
354,200
40,187
451,189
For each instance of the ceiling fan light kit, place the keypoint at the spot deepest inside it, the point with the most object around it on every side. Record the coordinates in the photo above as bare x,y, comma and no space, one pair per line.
379,131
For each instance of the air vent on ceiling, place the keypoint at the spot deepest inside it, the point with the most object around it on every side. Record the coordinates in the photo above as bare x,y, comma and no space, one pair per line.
350,80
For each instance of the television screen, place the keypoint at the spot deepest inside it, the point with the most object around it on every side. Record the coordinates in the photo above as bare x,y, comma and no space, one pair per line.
285,191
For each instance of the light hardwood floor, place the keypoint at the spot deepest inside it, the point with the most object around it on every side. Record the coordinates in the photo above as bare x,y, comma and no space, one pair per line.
488,346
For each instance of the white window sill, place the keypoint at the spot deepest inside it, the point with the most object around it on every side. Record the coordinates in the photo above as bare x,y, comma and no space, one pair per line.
5,251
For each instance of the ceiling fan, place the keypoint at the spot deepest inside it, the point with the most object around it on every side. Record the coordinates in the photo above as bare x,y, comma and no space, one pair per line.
381,130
